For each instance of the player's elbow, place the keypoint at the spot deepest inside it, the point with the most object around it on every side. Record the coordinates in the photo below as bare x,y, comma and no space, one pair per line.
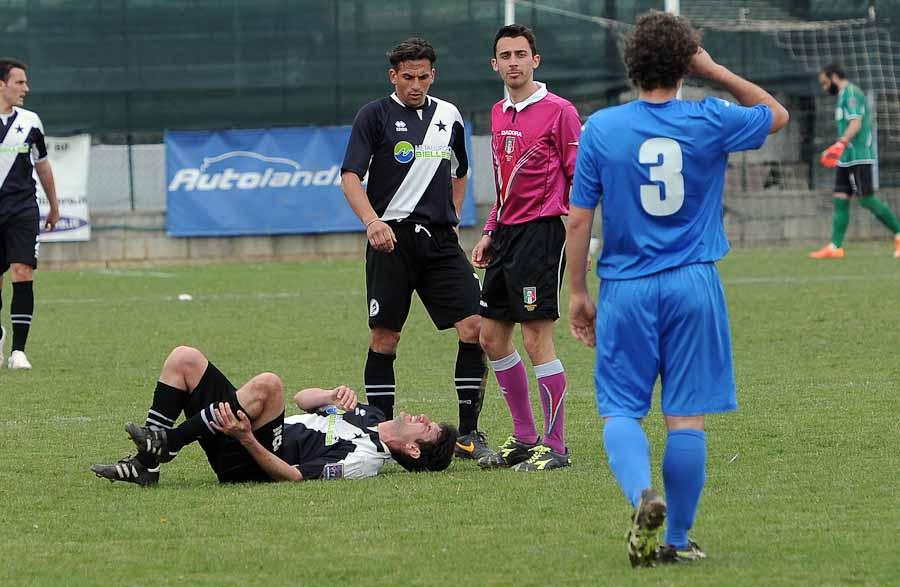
780,118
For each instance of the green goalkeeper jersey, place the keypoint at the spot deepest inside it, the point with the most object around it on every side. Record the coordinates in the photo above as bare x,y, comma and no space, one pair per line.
852,104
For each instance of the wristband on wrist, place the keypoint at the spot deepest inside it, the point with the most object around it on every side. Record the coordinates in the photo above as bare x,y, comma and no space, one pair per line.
487,233
371,221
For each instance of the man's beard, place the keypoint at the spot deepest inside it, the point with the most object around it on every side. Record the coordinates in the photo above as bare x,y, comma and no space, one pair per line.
833,89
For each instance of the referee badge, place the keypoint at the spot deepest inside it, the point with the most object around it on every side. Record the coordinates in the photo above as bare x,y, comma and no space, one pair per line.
509,146
529,296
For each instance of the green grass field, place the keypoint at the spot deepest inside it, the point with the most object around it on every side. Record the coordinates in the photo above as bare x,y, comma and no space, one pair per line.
802,483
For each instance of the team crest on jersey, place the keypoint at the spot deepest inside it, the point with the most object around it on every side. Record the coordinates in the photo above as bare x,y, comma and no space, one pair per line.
509,145
374,308
333,471
400,126
529,296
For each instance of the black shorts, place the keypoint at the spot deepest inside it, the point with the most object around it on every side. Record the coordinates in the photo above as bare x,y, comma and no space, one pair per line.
523,278
426,259
855,180
227,457
19,240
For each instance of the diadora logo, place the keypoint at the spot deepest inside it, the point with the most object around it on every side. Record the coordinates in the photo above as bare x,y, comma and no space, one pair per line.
404,152
400,126
248,170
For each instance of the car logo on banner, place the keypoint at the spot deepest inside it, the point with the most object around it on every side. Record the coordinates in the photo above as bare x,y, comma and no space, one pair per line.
404,152
249,170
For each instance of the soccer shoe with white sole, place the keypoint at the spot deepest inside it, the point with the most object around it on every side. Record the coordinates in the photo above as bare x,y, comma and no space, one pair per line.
646,523
129,470
18,360
472,446
671,554
2,341
150,441
512,452
543,458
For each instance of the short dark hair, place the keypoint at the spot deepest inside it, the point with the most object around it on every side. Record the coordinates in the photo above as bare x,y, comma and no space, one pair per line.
659,50
434,456
412,49
7,64
834,69
516,30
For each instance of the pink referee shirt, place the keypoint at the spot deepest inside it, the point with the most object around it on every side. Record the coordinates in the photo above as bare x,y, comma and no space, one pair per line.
534,145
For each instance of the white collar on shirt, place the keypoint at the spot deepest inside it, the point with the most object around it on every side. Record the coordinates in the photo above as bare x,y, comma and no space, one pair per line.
538,95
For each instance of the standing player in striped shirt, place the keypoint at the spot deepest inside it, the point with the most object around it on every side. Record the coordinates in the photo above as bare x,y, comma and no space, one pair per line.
534,144
412,147
22,152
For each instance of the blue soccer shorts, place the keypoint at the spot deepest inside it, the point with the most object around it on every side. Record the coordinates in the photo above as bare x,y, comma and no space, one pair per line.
673,324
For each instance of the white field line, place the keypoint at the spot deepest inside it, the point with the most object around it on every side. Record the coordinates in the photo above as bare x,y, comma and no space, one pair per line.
788,279
132,273
198,297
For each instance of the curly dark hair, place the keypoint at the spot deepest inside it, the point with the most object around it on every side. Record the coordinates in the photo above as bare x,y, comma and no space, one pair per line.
7,64
659,50
412,49
435,456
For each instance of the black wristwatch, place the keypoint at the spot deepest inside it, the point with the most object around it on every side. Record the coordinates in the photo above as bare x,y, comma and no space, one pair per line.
487,233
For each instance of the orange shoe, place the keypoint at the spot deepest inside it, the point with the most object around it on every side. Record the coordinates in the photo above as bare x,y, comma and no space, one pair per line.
897,247
830,251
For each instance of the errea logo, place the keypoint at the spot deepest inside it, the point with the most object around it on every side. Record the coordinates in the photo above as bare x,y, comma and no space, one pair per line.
400,126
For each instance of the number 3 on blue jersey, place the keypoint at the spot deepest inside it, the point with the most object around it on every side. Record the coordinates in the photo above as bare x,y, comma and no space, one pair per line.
664,157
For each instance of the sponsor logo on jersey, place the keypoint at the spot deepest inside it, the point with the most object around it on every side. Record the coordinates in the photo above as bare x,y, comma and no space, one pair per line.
512,133
432,152
248,170
404,152
333,471
400,126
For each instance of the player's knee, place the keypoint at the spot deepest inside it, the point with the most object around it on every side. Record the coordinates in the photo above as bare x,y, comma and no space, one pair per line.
469,329
185,358
270,385
20,272
384,341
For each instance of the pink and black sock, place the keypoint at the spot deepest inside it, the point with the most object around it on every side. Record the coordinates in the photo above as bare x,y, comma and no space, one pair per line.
552,386
513,380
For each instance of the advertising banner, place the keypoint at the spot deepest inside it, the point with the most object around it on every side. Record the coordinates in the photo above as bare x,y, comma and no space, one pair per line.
69,158
267,181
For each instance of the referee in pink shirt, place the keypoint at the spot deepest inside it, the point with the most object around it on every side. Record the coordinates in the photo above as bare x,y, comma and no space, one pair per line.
534,145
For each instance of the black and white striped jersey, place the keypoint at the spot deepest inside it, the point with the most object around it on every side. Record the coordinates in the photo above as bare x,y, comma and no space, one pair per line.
22,146
334,444
410,154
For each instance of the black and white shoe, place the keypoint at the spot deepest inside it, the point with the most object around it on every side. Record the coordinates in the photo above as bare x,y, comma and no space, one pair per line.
150,441
129,470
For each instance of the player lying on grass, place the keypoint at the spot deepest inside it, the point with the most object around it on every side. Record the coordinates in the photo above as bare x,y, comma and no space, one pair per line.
246,437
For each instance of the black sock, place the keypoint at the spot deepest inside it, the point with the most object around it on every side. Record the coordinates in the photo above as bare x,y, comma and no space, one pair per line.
380,383
167,404
471,376
198,426
20,312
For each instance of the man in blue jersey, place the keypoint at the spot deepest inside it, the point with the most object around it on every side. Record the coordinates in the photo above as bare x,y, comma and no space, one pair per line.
659,165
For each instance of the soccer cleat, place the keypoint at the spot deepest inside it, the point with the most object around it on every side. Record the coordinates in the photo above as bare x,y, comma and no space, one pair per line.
18,360
543,458
643,537
512,452
150,441
671,554
829,251
897,247
2,340
472,446
130,470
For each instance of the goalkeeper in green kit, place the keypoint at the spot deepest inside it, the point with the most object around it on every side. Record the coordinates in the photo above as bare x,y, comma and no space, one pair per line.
853,155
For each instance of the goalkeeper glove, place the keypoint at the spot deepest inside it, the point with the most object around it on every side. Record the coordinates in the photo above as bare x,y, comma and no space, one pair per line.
832,155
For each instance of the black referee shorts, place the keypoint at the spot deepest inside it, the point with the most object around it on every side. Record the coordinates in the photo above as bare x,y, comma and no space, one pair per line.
226,455
524,276
427,260
855,180
19,240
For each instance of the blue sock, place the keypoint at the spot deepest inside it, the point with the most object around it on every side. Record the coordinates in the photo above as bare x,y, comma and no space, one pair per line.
628,454
684,473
